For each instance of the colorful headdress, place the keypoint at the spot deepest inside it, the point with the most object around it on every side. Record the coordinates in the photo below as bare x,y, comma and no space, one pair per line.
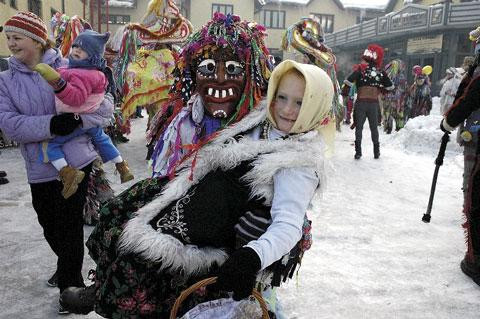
417,70
65,29
241,38
162,23
306,36
373,54
394,67
144,75
474,35
245,40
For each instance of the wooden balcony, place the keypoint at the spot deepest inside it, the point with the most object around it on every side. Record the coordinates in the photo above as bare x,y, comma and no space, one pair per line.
412,19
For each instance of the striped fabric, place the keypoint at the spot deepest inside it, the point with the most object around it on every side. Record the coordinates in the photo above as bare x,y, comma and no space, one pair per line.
28,24
251,226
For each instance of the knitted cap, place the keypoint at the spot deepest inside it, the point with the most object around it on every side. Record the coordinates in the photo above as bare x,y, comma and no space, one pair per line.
92,42
29,25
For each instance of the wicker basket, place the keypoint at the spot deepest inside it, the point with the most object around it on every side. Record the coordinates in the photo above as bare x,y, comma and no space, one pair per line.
206,282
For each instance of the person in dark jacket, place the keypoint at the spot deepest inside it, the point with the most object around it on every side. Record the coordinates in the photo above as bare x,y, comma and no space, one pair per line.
370,80
466,110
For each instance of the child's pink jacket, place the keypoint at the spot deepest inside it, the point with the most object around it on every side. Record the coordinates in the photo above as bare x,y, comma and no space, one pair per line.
84,92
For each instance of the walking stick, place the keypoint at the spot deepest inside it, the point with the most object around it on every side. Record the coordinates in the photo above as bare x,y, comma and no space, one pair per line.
438,162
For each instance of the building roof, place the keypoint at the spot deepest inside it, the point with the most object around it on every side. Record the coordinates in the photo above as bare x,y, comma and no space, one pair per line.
371,4
297,2
121,3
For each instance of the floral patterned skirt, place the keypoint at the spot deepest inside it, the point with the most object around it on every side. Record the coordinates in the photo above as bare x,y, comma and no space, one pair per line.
126,285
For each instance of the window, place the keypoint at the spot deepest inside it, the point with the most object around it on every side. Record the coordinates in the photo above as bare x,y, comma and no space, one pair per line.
13,4
115,19
382,25
35,6
363,19
223,8
437,15
408,18
464,45
326,21
273,19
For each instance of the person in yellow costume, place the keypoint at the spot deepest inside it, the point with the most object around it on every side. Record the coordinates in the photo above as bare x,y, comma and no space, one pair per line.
146,59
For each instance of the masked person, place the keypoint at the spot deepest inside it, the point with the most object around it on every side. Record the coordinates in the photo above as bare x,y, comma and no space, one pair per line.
394,100
28,116
466,111
220,75
269,164
370,80
216,84
420,99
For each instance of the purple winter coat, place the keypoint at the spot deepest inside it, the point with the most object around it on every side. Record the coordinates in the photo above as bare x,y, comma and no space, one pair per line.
27,104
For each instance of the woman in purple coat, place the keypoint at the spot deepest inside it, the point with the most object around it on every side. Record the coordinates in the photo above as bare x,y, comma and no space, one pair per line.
27,115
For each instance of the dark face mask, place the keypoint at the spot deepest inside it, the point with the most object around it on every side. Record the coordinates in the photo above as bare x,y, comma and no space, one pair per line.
220,83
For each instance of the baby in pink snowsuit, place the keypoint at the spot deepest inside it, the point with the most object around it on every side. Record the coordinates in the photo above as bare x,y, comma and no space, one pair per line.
80,88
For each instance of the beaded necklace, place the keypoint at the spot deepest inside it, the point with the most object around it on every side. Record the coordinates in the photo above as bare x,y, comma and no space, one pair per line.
267,128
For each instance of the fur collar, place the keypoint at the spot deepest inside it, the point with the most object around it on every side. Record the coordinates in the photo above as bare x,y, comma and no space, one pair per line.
224,152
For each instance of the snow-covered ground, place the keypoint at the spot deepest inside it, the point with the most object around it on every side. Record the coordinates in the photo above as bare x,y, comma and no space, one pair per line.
372,255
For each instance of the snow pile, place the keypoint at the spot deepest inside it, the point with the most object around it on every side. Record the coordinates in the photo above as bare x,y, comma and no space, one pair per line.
121,3
372,256
422,135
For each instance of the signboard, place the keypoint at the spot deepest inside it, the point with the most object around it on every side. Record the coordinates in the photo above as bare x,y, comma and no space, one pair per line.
427,44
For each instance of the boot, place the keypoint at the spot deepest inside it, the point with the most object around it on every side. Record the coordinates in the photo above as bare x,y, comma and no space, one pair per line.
358,150
3,180
125,174
79,300
53,281
70,178
472,268
376,150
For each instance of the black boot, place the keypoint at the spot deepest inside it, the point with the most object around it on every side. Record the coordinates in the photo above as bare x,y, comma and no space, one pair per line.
471,268
358,150
79,300
376,150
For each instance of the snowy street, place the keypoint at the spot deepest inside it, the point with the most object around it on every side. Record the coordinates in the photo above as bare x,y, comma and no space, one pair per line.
372,256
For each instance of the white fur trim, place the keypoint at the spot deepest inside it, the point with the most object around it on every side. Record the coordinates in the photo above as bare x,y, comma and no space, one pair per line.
447,126
140,238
